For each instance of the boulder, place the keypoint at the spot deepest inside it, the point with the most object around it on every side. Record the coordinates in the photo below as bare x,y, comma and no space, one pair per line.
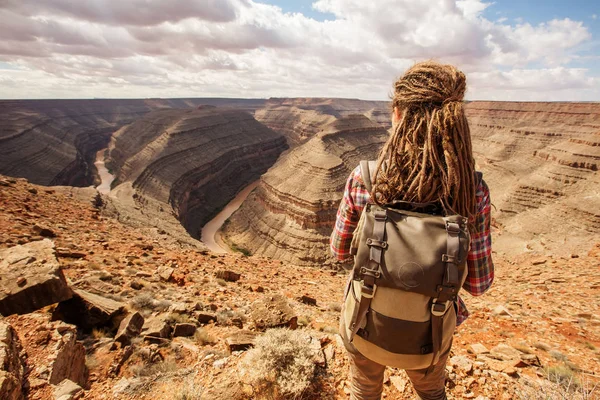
477,348
11,366
273,311
88,310
228,276
241,340
205,318
68,358
130,327
157,327
165,273
30,278
184,329
505,352
67,390
311,301
43,231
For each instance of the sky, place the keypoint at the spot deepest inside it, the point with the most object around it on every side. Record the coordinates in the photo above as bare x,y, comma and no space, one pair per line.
509,49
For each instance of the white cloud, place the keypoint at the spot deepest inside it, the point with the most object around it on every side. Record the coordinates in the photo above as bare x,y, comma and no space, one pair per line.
242,48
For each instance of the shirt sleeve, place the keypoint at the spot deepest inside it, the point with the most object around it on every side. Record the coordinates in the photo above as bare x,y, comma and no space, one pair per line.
479,261
353,202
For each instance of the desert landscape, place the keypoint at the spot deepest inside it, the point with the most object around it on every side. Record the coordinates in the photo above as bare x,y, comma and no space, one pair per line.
109,290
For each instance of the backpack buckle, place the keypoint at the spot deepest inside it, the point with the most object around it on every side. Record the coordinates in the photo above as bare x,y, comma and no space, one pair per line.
452,227
377,243
367,292
380,215
439,309
451,259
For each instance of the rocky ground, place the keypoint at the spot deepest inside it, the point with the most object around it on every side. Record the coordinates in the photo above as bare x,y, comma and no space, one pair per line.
151,317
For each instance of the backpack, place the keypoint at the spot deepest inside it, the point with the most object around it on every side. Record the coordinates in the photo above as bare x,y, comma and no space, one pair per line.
409,264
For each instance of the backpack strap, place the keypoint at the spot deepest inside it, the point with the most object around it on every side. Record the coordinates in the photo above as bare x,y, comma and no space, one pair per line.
367,171
370,272
448,290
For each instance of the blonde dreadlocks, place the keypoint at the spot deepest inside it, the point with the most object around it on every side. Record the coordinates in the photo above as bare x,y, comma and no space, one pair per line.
428,157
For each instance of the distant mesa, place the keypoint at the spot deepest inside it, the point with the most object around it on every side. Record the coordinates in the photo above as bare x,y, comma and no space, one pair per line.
299,119
291,213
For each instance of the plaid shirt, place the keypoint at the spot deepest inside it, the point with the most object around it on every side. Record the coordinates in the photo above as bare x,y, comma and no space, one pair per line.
479,261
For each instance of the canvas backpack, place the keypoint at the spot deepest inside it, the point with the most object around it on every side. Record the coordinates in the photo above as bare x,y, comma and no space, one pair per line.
409,264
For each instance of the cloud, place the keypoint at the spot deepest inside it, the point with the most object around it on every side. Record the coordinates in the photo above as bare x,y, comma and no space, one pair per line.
243,48
127,12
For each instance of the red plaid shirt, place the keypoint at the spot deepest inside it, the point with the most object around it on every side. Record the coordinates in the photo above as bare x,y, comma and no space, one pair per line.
479,261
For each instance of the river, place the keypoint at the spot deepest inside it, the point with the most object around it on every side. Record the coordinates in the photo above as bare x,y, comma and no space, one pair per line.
106,178
210,231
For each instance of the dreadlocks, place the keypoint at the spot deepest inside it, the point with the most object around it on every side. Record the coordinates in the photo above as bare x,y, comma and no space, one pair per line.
428,157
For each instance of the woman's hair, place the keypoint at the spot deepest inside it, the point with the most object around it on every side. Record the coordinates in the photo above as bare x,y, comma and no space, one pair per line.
428,157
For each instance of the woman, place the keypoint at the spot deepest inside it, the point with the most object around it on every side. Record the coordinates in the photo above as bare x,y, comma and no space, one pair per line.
428,158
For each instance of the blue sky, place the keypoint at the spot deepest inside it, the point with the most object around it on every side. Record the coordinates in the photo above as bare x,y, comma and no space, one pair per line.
510,50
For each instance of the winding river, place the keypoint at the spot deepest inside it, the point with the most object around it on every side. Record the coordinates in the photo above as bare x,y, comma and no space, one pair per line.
210,231
106,178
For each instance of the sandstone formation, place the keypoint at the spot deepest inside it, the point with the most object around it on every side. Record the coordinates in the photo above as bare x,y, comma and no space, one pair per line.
89,310
12,370
300,119
30,278
192,160
291,214
541,162
54,142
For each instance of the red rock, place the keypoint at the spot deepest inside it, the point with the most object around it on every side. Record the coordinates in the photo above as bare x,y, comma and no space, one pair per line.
32,278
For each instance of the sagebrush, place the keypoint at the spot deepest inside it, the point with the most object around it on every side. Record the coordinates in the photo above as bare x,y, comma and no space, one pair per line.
281,364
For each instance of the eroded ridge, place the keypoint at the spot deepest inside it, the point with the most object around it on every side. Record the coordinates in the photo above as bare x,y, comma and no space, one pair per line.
291,214
54,142
541,162
299,119
193,160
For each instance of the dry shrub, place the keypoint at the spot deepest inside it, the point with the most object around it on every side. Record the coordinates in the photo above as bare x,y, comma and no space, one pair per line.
188,391
202,337
561,383
281,364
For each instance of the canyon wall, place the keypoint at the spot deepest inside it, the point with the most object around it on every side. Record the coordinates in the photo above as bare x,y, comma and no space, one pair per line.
299,119
541,162
53,142
194,160
290,215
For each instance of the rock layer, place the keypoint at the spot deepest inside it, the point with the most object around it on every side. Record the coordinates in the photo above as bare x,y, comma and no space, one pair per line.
31,278
193,160
291,214
299,119
541,162
54,142
12,370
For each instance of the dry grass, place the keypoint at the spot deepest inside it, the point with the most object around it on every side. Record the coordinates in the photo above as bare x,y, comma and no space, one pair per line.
561,383
202,337
281,365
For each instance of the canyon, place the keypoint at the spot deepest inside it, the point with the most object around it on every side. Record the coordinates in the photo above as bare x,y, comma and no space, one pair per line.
291,214
193,161
178,315
188,158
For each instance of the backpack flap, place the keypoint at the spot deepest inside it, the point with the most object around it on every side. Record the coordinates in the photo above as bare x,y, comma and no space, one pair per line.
419,252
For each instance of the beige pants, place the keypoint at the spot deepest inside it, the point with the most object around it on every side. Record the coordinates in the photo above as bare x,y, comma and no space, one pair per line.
366,378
